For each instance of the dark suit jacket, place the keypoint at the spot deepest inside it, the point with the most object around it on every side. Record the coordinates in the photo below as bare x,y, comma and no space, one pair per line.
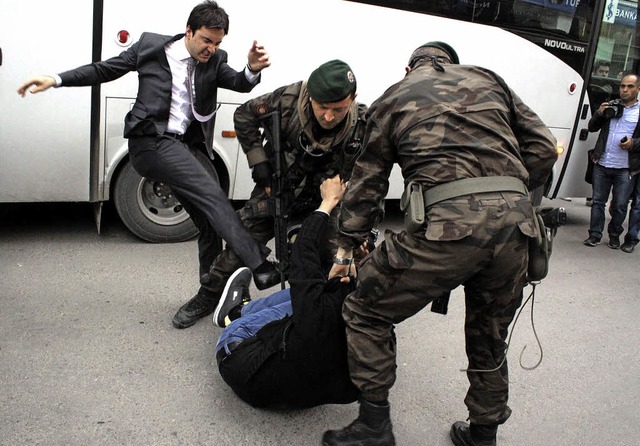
150,113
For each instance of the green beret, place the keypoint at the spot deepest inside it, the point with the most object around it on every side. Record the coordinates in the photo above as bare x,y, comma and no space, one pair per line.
332,81
422,50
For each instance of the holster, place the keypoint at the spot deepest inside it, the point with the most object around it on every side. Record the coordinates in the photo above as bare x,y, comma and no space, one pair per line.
539,249
412,204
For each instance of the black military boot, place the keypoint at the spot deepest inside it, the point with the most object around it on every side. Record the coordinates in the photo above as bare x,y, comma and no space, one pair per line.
463,434
371,428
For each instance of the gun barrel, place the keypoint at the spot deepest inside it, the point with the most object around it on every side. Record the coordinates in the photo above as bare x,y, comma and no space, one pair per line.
280,210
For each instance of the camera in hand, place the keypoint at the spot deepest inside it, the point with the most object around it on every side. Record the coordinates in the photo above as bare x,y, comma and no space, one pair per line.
614,109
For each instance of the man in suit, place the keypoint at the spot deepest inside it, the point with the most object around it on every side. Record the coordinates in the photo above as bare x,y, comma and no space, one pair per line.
173,116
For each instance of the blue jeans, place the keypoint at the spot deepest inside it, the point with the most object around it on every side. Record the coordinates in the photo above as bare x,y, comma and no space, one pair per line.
634,212
255,315
606,180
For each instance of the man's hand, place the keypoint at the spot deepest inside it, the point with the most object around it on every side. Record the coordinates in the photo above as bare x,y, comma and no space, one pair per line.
261,174
602,107
332,191
343,270
258,58
626,143
39,83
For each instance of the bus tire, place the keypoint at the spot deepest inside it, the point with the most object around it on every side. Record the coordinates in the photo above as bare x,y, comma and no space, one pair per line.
149,209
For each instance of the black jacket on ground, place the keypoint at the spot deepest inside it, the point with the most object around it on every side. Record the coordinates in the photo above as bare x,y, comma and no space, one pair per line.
299,361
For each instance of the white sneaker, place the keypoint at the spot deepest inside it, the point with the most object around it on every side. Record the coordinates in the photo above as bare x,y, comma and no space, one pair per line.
235,293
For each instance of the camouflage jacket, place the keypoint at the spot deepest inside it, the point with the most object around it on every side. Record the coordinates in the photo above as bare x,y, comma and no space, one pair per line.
440,127
337,148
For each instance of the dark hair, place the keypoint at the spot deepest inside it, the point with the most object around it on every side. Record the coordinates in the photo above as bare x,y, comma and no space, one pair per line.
209,15
601,63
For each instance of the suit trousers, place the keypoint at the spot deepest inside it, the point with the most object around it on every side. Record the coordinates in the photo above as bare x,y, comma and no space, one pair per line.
172,162
260,224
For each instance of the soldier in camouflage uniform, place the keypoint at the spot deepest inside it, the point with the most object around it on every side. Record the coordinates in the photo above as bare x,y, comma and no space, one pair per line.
321,134
442,123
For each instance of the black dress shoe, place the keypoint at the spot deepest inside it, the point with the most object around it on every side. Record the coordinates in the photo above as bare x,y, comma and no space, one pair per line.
266,275
199,306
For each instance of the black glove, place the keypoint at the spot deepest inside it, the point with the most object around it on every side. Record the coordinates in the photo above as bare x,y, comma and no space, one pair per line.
261,174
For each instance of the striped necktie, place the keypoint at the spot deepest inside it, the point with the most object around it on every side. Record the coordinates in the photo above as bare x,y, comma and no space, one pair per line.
191,63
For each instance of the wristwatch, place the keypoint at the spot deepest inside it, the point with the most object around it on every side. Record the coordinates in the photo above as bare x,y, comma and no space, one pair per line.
339,261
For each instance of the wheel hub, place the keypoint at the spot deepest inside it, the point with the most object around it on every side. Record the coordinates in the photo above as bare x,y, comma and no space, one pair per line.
162,190
157,201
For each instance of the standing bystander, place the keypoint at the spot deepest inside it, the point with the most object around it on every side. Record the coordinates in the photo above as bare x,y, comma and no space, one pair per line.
617,150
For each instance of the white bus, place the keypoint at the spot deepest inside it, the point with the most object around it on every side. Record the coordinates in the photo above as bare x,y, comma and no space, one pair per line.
66,145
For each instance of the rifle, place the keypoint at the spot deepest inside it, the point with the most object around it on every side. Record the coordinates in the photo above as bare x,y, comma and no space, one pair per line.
278,208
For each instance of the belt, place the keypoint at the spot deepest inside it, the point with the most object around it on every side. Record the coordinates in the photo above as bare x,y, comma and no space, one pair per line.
477,185
222,353
176,136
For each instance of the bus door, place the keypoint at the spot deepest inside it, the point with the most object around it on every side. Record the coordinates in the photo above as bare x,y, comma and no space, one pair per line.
615,53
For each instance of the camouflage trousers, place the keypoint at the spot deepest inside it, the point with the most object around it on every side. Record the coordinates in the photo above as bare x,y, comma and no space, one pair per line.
477,242
257,219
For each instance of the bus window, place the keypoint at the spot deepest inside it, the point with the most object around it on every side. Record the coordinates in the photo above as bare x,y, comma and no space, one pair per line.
568,21
551,16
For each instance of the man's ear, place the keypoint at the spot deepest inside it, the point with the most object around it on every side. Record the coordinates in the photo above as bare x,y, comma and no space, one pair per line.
188,32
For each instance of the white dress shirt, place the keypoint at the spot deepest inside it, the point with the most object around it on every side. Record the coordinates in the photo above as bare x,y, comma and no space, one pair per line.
180,115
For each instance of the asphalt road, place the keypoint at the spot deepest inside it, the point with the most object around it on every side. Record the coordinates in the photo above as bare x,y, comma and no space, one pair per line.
88,355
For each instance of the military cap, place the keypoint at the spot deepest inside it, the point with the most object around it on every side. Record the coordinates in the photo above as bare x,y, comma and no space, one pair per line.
332,81
422,50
